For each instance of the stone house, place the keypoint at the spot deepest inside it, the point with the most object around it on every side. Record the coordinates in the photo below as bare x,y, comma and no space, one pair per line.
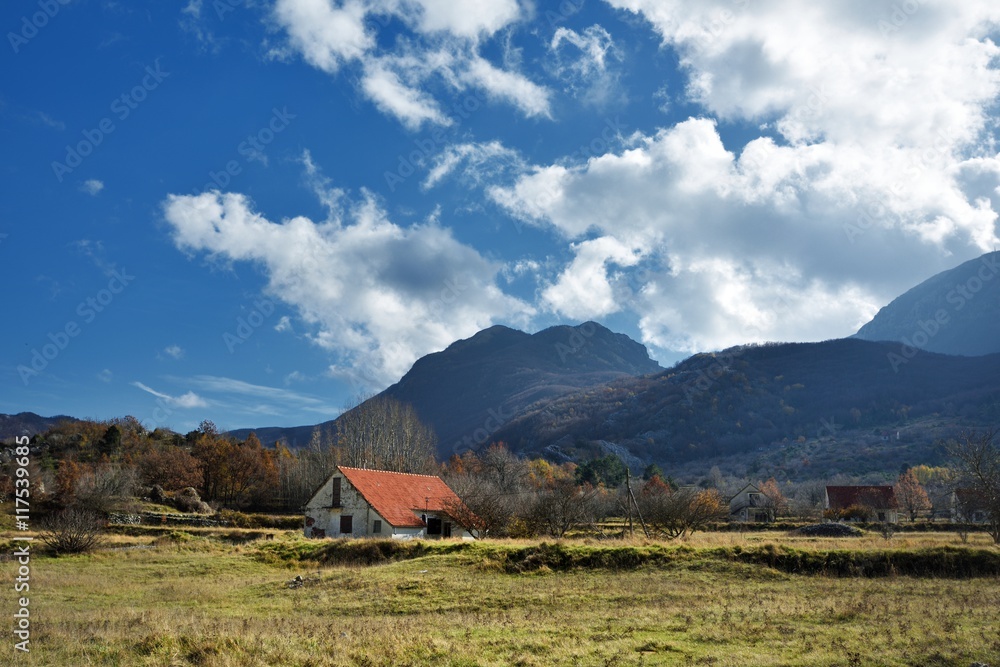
750,505
355,502
968,506
879,502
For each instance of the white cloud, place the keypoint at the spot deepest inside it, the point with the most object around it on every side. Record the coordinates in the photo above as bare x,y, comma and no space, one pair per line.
584,68
482,162
105,375
512,87
883,156
411,106
584,290
230,387
174,351
471,19
728,238
844,72
92,186
443,46
187,400
326,34
377,295
284,324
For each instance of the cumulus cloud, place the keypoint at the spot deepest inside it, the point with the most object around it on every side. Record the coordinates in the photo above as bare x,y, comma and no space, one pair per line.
440,50
375,294
584,290
880,156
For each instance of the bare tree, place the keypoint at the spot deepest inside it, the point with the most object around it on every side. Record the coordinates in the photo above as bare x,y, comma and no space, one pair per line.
382,433
563,505
105,487
979,459
301,473
495,489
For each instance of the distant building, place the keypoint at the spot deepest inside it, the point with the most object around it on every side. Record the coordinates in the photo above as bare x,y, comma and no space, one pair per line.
354,502
751,505
968,506
874,503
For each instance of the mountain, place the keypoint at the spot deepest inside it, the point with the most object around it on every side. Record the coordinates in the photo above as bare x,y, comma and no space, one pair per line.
476,385
753,399
954,312
27,423
469,390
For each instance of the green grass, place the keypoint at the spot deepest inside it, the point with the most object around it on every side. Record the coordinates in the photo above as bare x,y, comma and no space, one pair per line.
195,599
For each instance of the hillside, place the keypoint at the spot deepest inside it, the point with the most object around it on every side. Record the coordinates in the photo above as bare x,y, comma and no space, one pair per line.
954,312
751,399
27,423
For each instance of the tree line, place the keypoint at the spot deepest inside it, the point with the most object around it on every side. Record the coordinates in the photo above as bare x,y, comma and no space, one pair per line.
101,466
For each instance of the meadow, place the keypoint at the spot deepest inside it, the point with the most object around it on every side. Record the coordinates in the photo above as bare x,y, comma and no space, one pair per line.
220,598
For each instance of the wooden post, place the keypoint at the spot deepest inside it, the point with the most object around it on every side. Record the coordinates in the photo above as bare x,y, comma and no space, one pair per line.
632,501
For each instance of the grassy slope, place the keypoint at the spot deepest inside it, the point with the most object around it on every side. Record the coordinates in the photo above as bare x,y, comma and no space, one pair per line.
203,602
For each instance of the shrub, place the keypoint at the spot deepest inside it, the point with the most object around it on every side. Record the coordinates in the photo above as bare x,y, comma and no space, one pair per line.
72,531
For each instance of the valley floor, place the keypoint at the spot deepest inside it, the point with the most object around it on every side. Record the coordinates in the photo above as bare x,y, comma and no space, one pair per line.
192,600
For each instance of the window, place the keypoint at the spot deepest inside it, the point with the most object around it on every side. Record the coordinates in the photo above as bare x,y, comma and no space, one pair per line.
376,526
446,532
335,500
433,525
346,525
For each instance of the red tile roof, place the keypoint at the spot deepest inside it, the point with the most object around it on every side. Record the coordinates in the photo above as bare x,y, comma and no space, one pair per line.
876,497
396,495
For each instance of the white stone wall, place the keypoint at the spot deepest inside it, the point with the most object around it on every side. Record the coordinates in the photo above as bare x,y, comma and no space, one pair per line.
322,520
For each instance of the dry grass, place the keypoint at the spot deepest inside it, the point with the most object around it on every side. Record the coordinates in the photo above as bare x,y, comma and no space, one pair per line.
203,601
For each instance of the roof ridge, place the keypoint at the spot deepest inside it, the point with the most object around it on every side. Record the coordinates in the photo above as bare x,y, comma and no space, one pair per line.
390,472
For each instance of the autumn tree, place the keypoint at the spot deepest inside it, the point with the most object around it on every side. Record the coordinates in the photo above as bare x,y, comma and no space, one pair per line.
774,500
168,466
233,473
382,433
910,495
563,504
675,513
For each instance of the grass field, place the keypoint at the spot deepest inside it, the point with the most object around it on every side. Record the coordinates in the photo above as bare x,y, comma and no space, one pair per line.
191,598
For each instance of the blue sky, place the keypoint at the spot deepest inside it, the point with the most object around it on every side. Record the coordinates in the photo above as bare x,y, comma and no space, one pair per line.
254,211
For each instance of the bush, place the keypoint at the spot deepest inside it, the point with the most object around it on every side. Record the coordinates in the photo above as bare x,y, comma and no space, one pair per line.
72,531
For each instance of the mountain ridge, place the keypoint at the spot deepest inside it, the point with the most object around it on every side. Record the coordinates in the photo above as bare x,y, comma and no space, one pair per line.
953,312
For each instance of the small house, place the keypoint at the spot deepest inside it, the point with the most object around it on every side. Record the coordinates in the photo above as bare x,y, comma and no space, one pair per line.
354,502
968,506
751,505
869,503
